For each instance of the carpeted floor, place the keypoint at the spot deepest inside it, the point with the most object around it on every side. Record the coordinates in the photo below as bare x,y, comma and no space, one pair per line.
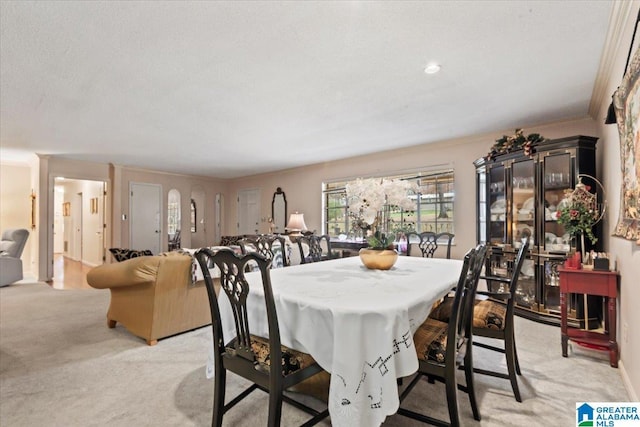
61,366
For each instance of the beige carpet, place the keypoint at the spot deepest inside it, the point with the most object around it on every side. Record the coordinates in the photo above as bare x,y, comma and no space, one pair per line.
61,366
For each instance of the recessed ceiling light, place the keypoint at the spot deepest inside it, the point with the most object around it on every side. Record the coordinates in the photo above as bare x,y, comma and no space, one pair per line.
432,68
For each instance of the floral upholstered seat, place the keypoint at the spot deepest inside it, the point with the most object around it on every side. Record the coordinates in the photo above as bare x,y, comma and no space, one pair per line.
486,314
292,360
431,341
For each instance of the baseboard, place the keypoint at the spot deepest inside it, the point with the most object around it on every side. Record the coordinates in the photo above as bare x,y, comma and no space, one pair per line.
633,396
89,264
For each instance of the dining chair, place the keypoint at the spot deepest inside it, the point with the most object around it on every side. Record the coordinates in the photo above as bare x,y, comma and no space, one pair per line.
493,318
271,246
444,347
174,241
248,355
428,242
316,251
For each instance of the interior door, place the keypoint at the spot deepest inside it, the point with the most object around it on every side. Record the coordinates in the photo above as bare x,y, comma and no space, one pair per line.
248,211
145,216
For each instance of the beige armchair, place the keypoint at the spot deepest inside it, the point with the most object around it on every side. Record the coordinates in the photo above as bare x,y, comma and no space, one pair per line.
11,247
153,296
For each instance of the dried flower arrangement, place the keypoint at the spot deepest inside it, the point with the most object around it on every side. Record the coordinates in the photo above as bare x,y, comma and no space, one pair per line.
518,141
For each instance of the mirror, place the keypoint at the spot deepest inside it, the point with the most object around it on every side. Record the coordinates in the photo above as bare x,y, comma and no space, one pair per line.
173,219
279,211
193,216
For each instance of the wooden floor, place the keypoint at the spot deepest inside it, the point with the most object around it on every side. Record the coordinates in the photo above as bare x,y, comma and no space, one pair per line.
69,274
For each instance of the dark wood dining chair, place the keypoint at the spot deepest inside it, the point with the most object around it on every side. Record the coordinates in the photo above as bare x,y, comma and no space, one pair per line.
428,242
271,246
319,248
493,318
248,355
174,241
444,347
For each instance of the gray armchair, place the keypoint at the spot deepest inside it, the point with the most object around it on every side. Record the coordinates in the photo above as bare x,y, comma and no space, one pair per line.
11,247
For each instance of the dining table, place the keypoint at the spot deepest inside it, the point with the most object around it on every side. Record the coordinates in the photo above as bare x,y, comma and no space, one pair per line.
357,323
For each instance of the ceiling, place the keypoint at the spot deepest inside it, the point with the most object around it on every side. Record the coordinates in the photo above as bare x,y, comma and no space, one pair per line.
229,89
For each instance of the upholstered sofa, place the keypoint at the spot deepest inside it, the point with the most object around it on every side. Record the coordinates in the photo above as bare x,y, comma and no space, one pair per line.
11,247
153,297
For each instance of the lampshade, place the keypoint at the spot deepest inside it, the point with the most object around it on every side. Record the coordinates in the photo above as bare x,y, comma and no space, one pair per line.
296,222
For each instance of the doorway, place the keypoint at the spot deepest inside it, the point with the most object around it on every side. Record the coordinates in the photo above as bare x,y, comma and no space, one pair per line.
248,211
145,216
78,230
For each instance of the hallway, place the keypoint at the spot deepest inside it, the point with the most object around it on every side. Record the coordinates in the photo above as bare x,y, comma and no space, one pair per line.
69,274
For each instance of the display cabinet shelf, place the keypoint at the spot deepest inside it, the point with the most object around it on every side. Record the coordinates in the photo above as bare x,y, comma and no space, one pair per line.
520,195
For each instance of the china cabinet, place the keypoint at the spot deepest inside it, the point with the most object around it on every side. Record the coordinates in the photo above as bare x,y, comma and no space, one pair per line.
517,197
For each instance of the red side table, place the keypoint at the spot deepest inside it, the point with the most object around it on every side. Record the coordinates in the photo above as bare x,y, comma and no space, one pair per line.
590,282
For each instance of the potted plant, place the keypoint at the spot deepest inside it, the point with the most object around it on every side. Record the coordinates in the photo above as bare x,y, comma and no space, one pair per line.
368,198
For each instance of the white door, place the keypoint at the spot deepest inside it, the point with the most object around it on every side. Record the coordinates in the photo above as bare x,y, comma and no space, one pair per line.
248,211
145,216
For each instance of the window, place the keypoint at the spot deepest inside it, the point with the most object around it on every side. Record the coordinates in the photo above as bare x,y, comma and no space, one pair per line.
193,216
434,206
173,212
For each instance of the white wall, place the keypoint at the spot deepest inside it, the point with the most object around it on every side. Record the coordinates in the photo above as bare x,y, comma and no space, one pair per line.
205,190
626,252
303,186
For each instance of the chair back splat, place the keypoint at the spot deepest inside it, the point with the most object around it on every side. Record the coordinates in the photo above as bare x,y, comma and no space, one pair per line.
315,248
248,355
266,245
428,242
493,318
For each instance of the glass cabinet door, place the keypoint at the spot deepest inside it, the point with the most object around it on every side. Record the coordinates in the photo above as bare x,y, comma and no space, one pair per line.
526,295
551,288
556,177
482,208
523,202
501,265
497,205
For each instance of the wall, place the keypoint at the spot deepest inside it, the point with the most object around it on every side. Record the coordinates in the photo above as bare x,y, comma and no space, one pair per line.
205,188
15,207
626,252
48,168
303,186
117,179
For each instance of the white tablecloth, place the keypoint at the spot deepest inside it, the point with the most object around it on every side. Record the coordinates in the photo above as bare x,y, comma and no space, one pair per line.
357,323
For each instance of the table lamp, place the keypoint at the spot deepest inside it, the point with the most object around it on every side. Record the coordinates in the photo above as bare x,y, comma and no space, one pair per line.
296,224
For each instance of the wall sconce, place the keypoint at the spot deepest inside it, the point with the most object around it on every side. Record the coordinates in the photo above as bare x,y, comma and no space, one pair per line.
33,210
296,224
94,205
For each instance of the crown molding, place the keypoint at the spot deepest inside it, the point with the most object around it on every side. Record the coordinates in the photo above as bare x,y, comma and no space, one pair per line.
621,12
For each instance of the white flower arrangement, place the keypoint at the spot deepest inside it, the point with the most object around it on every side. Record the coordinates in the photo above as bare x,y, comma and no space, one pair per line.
368,197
